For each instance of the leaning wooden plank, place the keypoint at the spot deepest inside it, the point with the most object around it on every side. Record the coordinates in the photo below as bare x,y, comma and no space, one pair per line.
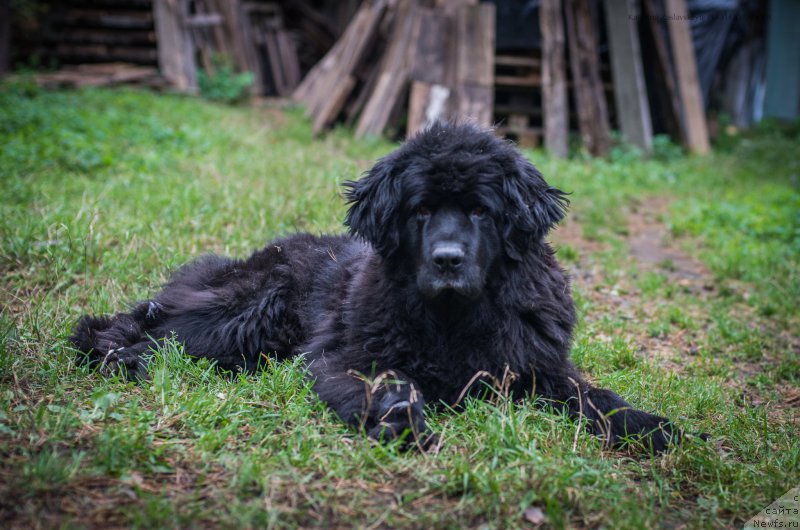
665,70
274,61
175,51
475,29
688,83
289,59
630,92
336,101
352,53
587,85
344,57
554,78
395,70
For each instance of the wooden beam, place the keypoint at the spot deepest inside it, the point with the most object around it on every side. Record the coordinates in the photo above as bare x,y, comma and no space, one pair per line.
395,68
175,51
588,90
630,91
475,30
665,72
694,115
554,78
429,97
342,60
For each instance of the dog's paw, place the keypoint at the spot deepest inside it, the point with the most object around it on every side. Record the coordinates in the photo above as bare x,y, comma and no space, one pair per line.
398,416
640,430
126,362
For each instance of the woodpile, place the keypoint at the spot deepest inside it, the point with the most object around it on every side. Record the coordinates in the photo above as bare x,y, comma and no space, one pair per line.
254,35
403,64
101,74
394,66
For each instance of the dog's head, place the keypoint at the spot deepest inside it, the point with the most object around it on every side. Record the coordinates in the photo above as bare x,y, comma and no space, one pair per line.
449,204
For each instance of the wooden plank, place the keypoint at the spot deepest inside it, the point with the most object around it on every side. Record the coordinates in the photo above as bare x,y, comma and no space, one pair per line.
336,101
532,80
203,20
516,60
237,38
555,107
428,103
688,83
587,85
289,60
475,104
429,61
475,28
429,98
474,86
175,52
342,60
395,70
630,92
665,72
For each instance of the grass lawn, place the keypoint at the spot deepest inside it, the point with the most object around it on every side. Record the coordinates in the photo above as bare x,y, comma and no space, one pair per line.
686,273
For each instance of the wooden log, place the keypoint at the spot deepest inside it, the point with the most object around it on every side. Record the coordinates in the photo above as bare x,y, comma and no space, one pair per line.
555,107
688,83
633,108
175,50
588,87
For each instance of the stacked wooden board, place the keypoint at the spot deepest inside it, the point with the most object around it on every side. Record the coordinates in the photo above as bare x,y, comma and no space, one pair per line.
403,64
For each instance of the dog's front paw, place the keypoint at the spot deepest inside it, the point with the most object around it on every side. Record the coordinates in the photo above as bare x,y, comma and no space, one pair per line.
653,433
126,362
399,416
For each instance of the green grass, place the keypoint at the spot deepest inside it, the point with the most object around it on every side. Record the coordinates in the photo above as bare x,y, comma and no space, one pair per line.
106,192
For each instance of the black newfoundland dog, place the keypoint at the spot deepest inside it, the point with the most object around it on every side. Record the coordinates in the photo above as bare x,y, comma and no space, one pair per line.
445,284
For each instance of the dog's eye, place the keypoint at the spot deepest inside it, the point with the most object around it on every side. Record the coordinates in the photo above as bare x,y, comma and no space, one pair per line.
478,211
423,211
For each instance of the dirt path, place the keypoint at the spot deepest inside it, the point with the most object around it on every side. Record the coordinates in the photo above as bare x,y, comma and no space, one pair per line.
652,249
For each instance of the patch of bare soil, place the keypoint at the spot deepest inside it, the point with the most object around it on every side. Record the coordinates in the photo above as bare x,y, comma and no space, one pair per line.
653,249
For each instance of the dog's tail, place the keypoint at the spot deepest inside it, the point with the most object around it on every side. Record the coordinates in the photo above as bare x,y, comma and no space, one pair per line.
97,339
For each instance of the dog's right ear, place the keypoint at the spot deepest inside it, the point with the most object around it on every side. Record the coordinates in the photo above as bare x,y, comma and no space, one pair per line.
374,203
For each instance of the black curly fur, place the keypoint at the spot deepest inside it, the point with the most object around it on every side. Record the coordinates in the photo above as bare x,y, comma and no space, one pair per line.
385,331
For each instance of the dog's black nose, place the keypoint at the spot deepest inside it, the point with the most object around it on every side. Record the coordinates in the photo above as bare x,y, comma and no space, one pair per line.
448,258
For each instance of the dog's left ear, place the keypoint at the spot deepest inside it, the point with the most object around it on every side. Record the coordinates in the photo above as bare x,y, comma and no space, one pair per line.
374,207
536,207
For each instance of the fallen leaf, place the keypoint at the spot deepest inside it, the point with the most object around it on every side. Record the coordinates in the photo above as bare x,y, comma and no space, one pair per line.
534,515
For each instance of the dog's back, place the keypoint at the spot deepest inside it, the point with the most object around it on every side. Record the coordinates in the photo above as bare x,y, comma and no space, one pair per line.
233,311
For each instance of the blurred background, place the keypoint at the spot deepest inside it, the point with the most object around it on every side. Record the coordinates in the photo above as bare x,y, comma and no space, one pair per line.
544,72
